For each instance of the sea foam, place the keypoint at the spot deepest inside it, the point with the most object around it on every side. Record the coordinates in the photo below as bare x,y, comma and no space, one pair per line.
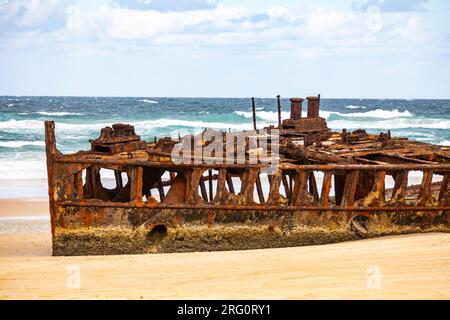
19,144
60,114
374,119
354,107
271,116
379,113
144,124
149,101
396,123
25,168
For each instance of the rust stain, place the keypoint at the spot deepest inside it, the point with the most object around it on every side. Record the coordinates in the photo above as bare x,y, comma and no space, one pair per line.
323,178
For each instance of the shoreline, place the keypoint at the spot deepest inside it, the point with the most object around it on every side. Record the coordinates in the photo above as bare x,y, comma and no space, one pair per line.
23,207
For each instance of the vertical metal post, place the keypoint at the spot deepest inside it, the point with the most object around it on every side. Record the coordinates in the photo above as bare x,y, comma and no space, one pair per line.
279,110
254,113
119,181
138,176
211,195
50,148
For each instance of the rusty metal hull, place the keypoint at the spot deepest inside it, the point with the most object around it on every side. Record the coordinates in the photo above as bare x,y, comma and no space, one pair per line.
140,230
289,214
331,188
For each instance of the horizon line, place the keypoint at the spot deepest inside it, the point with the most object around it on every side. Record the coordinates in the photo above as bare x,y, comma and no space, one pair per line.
215,97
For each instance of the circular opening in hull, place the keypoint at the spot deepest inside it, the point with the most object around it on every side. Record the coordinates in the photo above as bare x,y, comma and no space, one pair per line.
359,224
158,233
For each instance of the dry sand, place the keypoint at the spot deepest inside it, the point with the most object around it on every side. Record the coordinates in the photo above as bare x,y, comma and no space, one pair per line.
410,266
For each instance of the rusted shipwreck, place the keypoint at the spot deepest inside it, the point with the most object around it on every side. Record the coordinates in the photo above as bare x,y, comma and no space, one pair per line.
326,187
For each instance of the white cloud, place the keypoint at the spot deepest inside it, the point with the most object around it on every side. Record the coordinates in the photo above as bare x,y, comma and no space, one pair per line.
35,12
331,24
410,29
74,18
165,5
304,29
390,5
73,46
128,24
280,12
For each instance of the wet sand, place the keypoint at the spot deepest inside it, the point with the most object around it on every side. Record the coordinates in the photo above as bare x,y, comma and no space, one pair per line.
397,267
23,207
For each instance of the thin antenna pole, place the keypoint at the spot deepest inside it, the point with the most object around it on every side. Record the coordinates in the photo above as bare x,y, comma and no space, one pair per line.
279,110
254,113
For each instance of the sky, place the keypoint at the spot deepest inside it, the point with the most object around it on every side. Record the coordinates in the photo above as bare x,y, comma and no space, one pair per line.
226,48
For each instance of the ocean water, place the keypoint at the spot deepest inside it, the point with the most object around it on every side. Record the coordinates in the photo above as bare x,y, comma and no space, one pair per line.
78,119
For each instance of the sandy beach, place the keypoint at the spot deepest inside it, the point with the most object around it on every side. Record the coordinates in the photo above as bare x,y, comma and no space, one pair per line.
23,207
398,267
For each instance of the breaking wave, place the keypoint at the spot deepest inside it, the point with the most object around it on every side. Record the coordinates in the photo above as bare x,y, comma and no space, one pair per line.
379,118
374,119
58,114
19,144
400,123
21,124
378,113
27,166
263,115
162,123
145,124
354,107
44,113
149,101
